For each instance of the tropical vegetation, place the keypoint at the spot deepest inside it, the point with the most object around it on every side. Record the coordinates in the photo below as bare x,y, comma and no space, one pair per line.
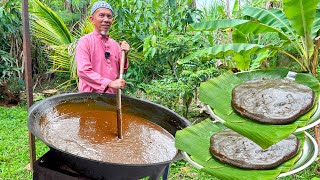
175,45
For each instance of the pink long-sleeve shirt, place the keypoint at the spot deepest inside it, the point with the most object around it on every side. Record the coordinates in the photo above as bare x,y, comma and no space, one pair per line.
95,71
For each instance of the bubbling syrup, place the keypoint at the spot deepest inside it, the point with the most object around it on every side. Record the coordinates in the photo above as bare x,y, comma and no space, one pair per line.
88,129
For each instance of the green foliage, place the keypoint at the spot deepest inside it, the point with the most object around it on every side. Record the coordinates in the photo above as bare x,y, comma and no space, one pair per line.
163,54
48,27
10,21
40,58
166,92
260,22
146,27
11,43
68,17
217,93
184,170
11,40
71,12
195,140
283,20
16,85
8,67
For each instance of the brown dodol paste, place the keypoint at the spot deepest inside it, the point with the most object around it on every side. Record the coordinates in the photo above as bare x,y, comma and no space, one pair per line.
272,101
232,148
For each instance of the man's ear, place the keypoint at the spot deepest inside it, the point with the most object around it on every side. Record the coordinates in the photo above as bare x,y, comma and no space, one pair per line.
91,18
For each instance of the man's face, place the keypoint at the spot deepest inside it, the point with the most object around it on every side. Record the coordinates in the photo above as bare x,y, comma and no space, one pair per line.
102,20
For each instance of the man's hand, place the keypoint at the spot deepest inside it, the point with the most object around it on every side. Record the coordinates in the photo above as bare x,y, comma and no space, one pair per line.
124,46
117,84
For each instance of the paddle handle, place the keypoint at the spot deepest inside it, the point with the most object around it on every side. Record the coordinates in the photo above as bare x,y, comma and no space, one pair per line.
122,61
119,111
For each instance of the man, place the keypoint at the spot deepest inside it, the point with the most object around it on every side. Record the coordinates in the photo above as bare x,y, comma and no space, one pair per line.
98,56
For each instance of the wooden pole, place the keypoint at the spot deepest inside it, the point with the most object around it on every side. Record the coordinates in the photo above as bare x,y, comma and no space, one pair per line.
28,73
119,111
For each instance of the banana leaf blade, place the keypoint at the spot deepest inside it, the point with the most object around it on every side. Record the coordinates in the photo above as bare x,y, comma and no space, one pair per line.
195,140
217,93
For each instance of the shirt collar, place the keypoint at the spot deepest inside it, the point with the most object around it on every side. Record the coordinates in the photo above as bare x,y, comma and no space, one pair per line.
97,34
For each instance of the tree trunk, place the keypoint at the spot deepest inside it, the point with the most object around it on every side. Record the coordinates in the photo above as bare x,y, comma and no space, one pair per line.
315,56
194,4
85,10
66,5
229,17
269,5
71,6
228,9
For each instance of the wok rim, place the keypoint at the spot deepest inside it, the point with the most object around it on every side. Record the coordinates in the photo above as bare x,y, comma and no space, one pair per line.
92,95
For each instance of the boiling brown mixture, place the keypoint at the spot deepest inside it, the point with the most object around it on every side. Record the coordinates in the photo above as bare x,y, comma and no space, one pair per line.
89,130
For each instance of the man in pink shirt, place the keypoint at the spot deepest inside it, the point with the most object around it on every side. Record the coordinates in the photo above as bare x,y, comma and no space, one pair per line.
98,56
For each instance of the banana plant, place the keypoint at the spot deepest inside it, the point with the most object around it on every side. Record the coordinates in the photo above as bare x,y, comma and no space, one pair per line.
297,24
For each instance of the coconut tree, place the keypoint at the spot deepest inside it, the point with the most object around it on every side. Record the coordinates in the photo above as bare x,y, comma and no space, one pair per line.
52,31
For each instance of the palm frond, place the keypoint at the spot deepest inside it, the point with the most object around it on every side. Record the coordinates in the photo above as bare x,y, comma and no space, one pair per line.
47,25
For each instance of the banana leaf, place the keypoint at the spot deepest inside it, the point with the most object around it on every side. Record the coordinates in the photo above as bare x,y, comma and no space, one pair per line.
216,24
217,93
316,25
301,15
195,141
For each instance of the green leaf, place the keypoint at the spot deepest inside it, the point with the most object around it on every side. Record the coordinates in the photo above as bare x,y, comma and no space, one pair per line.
301,14
235,8
260,58
217,93
195,141
216,24
316,25
146,45
223,51
242,61
46,25
273,18
258,28
308,80
1,12
153,41
238,37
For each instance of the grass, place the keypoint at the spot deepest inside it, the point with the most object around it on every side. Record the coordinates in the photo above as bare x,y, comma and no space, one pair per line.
14,145
14,148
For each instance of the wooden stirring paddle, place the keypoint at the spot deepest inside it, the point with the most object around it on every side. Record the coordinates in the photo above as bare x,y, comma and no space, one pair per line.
119,112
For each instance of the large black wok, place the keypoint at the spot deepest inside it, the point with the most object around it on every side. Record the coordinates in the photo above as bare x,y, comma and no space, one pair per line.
160,115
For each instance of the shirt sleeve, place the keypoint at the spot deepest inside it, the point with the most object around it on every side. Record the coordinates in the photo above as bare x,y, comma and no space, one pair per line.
84,67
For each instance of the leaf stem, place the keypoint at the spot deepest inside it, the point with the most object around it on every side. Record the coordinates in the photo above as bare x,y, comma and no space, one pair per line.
297,60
